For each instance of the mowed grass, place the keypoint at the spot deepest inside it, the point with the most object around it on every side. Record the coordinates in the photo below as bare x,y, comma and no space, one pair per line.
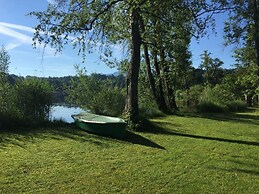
175,154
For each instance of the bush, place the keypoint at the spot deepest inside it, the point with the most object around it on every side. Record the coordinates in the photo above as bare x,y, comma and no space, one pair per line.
209,99
236,105
147,105
34,99
221,97
219,94
8,111
210,107
7,99
189,99
25,103
97,95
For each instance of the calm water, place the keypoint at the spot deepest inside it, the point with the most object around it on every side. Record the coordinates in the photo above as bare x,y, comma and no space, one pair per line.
64,113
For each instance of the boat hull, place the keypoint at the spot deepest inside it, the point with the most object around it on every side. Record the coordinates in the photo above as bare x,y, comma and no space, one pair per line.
110,129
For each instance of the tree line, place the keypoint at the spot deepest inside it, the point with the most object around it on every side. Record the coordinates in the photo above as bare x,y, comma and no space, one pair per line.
208,88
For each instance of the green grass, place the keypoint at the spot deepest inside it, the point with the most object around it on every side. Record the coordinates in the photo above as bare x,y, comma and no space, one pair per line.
211,153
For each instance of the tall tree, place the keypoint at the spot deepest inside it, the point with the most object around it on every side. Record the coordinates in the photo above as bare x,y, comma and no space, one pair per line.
86,23
246,73
213,72
158,93
242,28
4,60
166,35
131,108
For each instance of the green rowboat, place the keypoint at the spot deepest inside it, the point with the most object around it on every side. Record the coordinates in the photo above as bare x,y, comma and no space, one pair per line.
101,125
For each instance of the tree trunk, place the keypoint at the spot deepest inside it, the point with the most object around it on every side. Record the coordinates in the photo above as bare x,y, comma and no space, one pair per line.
249,100
131,106
256,31
159,97
170,92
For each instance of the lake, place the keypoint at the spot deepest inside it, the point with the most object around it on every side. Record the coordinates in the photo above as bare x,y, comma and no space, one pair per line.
61,112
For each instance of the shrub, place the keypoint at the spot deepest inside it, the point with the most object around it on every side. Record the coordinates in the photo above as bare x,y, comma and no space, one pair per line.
97,95
7,98
147,105
34,99
210,99
219,94
236,105
8,110
29,101
210,107
189,99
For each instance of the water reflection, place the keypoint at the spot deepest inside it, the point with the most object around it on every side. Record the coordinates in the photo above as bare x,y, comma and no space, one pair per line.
61,112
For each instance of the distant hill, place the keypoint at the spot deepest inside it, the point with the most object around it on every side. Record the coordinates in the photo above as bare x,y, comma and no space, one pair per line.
117,73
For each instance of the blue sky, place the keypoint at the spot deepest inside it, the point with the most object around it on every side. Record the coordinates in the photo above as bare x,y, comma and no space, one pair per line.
16,31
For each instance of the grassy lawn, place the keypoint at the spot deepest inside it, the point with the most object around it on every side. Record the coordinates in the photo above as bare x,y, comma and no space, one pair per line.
175,154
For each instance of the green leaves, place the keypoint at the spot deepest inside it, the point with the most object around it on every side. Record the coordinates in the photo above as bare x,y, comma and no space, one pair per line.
26,103
81,23
4,60
212,68
100,96
35,98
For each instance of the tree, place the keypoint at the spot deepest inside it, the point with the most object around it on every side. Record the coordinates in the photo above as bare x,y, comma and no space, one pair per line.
104,96
246,73
91,22
86,23
242,28
213,72
4,60
166,35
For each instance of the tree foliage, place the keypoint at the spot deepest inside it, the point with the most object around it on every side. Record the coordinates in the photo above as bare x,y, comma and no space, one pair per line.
246,73
100,96
242,28
4,62
163,26
213,72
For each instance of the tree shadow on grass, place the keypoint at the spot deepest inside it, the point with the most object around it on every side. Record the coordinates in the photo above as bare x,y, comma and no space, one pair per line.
237,170
231,117
155,128
140,140
129,137
243,167
59,131
151,127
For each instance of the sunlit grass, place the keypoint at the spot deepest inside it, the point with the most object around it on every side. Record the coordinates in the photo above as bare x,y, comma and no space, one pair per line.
175,154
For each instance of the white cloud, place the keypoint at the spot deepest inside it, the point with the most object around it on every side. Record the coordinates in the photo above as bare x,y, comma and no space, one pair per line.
11,46
28,29
18,38
22,38
17,27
